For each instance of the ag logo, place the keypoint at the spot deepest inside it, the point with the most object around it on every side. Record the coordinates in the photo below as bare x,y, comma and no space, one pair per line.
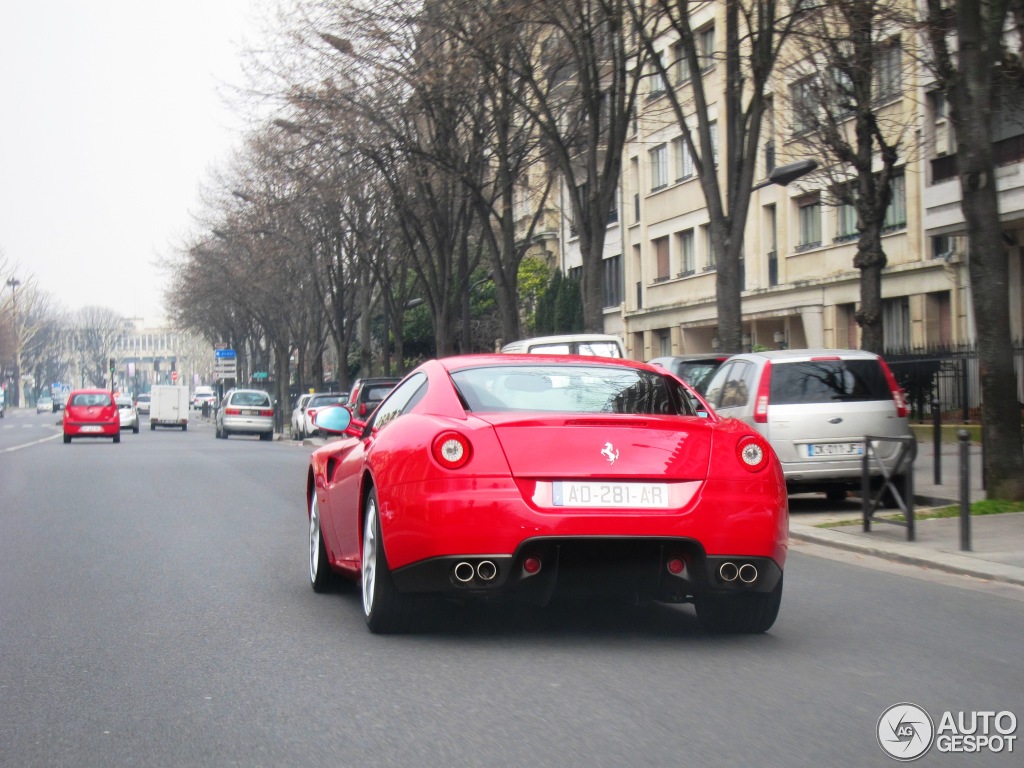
905,732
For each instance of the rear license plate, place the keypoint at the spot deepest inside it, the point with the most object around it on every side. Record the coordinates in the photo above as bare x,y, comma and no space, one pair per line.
92,428
836,449
249,412
569,493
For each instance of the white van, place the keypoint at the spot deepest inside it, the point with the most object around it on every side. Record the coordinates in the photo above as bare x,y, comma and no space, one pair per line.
593,344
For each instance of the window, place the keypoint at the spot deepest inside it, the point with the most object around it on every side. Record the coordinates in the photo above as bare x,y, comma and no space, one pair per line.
680,64
684,160
841,96
706,48
846,214
896,323
896,213
713,130
659,167
657,81
810,223
660,246
710,262
611,283
888,71
687,253
801,95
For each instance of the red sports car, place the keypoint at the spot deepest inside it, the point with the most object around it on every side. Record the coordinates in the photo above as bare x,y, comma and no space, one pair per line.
91,413
528,476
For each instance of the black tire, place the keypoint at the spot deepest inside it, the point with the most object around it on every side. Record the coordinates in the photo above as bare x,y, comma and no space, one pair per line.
266,435
152,427
749,613
135,429
321,577
184,427
386,610
117,438
67,439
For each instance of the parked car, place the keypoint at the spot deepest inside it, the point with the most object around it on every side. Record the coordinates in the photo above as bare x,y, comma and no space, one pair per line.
142,404
599,344
366,394
203,395
527,476
695,370
91,413
245,412
129,415
316,402
44,404
816,408
298,426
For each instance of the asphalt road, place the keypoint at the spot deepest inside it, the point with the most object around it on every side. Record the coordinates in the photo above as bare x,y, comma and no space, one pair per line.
155,611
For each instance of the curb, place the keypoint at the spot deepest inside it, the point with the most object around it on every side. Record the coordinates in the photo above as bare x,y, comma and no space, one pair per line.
948,562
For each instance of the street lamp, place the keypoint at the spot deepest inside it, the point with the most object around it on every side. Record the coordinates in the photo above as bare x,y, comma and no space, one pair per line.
786,174
13,283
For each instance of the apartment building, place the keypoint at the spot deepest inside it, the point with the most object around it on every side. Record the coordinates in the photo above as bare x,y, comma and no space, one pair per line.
800,288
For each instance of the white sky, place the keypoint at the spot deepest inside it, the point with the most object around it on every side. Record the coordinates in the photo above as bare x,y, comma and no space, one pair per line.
113,114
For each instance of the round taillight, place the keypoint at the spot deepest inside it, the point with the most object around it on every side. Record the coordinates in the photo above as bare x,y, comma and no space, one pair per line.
451,450
753,453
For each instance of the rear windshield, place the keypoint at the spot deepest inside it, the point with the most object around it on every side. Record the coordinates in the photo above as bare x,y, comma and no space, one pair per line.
321,400
828,381
569,389
250,398
89,398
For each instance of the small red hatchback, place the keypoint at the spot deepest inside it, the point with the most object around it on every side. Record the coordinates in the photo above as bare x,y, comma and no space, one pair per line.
91,413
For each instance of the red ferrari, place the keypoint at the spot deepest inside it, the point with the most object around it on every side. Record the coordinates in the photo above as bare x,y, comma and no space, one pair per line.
529,476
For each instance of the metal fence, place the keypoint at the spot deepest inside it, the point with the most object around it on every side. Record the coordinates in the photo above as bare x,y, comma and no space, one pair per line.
950,373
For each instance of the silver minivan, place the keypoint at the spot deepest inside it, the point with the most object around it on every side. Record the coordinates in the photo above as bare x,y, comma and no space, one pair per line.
245,412
815,407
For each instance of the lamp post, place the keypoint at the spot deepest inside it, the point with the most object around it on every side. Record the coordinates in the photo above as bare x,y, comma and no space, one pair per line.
13,283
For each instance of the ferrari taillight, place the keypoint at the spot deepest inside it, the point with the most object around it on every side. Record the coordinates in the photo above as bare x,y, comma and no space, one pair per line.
763,390
451,450
753,452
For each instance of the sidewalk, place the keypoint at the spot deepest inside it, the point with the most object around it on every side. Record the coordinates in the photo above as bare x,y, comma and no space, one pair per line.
997,541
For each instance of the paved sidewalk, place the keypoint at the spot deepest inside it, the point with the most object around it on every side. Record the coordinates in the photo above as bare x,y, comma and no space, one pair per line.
997,541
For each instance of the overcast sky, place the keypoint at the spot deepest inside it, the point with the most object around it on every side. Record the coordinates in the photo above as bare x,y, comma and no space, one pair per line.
113,113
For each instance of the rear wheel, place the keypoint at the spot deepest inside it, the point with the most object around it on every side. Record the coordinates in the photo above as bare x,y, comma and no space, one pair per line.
67,438
117,438
135,429
385,609
748,613
266,435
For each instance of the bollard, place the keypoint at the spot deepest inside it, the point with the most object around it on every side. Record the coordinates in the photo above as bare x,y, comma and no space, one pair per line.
965,490
937,423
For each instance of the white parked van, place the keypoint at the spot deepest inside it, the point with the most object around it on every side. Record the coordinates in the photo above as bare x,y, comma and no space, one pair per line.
593,344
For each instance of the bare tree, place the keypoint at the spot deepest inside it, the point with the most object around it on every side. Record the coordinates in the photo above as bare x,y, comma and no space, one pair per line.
96,332
755,33
850,108
976,48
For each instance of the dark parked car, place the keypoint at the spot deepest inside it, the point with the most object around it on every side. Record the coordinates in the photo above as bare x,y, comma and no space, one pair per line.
695,370
366,395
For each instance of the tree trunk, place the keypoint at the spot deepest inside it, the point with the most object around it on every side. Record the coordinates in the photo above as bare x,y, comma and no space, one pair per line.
870,260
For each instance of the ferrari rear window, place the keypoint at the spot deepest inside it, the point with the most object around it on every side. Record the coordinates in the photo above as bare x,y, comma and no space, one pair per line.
569,389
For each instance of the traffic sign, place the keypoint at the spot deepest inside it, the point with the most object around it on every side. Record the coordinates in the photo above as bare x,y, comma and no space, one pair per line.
260,375
222,354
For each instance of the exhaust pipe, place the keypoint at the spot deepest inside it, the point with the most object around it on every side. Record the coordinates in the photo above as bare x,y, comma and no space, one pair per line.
464,572
748,573
486,570
728,572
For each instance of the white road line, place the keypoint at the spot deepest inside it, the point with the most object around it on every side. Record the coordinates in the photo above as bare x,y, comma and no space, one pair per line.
29,445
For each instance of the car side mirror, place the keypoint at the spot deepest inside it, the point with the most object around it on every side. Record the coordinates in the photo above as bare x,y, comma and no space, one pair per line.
335,419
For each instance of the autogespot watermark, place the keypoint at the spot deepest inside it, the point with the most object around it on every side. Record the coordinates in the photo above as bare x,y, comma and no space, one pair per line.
906,732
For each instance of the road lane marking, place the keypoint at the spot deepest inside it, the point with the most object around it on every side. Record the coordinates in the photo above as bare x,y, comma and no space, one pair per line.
29,445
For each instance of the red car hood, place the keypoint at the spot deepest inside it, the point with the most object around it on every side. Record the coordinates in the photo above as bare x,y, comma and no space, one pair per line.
604,446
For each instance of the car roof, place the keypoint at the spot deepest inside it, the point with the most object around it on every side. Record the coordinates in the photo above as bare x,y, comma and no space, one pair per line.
525,359
797,355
